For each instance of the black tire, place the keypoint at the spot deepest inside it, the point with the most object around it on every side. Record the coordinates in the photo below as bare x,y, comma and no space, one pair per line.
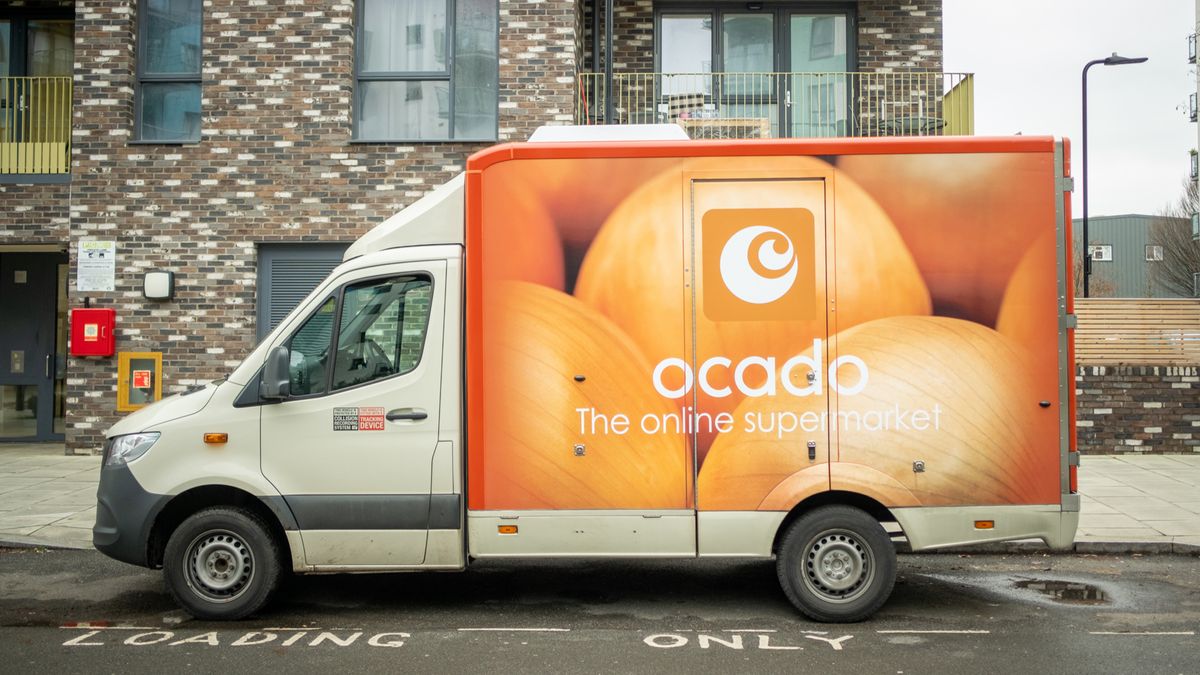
836,564
222,563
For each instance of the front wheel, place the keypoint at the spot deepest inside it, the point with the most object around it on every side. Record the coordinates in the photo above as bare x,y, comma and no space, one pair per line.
222,563
836,564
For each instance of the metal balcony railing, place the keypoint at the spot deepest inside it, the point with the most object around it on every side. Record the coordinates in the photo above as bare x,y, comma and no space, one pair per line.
35,125
781,105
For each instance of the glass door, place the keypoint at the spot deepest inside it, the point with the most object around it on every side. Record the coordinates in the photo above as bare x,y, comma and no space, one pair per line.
686,63
755,73
818,90
749,97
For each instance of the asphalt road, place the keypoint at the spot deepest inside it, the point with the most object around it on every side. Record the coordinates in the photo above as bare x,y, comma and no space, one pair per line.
77,611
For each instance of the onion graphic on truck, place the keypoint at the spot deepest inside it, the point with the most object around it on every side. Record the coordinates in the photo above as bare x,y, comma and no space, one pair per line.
775,306
752,380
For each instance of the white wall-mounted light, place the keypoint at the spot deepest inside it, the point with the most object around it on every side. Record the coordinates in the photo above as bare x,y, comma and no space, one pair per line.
158,285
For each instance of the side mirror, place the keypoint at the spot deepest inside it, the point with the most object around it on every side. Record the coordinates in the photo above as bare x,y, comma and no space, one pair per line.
276,381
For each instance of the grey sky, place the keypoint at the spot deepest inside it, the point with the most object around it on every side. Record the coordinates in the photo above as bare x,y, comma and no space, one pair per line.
1028,56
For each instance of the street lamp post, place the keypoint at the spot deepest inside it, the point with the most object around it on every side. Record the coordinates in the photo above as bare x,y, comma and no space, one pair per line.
1113,60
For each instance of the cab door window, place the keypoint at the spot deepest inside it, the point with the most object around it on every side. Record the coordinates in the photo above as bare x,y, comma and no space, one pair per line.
309,351
381,329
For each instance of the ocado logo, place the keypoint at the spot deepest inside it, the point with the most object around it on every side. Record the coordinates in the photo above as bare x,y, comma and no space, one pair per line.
758,264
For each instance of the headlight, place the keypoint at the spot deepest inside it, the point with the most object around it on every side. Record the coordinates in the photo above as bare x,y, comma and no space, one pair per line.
125,449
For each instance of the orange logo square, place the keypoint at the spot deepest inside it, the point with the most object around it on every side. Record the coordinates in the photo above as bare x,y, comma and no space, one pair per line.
758,264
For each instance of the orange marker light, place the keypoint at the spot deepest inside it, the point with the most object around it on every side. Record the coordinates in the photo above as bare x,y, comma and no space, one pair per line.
985,524
216,438
507,529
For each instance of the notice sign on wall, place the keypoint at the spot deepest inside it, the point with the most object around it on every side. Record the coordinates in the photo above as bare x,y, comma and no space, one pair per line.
96,266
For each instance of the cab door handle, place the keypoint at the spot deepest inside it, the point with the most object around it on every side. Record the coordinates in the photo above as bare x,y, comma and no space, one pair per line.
414,414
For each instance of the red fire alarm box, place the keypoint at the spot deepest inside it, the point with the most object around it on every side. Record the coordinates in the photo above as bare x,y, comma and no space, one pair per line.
92,331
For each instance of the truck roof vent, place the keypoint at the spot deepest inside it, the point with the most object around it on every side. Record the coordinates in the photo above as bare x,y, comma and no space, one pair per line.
609,132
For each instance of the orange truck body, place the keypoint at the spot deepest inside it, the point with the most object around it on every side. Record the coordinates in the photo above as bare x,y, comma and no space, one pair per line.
747,326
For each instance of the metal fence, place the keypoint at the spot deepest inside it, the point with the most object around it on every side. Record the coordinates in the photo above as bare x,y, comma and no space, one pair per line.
778,105
35,125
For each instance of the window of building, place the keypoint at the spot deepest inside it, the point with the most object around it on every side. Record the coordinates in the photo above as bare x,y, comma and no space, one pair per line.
287,273
168,66
1154,253
426,70
1100,252
1196,284
824,42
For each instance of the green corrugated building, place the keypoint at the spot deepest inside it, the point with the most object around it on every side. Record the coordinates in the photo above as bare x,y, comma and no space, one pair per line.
1124,253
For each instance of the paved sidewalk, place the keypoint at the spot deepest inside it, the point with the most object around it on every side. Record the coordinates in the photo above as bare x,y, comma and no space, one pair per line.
1152,500
47,497
1145,503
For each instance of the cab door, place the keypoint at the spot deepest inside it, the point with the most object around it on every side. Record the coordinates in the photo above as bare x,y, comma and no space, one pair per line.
351,450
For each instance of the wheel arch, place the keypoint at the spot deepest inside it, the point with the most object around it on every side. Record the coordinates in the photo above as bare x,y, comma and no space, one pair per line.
273,511
871,506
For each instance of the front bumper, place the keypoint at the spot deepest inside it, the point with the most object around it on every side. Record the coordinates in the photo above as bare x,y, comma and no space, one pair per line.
125,514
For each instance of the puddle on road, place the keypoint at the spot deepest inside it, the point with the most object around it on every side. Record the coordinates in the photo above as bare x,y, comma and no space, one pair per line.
1066,592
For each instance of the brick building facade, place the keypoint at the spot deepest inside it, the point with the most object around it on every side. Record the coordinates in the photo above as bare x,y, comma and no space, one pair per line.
1138,409
277,161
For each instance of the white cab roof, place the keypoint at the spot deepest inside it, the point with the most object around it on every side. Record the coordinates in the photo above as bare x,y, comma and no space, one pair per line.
436,218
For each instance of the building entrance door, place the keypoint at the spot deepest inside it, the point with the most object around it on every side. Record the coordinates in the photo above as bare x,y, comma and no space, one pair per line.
33,293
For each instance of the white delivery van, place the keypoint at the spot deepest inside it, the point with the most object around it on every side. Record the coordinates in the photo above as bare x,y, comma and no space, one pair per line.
646,348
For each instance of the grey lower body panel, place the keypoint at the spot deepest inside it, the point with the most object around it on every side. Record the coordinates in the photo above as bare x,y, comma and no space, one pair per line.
932,527
377,512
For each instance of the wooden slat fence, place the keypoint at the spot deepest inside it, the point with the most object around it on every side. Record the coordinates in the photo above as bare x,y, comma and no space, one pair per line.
1137,331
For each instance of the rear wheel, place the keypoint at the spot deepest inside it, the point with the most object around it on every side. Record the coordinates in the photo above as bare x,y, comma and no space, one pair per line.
836,564
222,563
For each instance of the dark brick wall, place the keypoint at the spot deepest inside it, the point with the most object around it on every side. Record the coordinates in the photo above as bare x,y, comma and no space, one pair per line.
538,47
33,214
275,164
1138,409
895,36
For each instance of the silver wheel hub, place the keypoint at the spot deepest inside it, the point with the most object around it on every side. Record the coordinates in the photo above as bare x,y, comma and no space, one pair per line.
838,566
219,565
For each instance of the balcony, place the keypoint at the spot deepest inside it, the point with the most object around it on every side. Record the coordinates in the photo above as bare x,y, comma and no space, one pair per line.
779,105
1192,48
35,125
